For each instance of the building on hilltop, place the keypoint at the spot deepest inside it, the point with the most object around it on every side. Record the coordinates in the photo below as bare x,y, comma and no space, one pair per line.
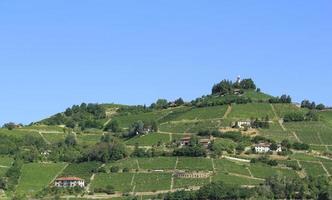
69,182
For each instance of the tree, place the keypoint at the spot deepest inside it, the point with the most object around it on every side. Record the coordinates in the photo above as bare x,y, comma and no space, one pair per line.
10,126
71,139
179,102
161,103
113,126
320,107
154,126
136,128
247,84
222,88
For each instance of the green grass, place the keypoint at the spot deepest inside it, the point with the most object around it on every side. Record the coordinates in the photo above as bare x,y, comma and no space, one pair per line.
18,133
36,176
152,182
88,139
130,163
81,170
318,148
303,157
194,164
311,132
276,133
44,128
6,161
224,165
252,110
313,169
235,180
265,171
120,181
157,163
188,182
203,113
175,127
149,139
3,171
257,96
328,165
126,120
54,137
326,117
282,109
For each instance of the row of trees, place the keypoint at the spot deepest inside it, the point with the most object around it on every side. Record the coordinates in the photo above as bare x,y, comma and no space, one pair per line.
228,87
83,116
283,99
300,116
312,105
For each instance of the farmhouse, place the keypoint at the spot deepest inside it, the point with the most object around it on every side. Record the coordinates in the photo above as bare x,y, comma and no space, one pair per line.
204,142
65,182
265,148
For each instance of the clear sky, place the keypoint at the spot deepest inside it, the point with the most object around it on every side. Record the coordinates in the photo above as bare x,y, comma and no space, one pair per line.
57,53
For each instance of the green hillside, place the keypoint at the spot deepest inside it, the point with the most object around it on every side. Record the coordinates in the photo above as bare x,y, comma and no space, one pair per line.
122,150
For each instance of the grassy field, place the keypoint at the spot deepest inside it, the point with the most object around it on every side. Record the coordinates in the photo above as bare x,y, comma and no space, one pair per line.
161,163
303,157
203,113
326,117
313,169
36,176
6,161
188,182
276,133
192,164
18,133
3,171
126,120
149,139
227,166
54,137
235,180
253,110
88,138
152,182
130,163
120,181
44,128
265,171
282,109
311,132
81,170
257,96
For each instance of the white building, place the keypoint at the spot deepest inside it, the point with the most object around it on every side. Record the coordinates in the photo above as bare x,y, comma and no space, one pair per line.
262,148
243,124
265,148
66,182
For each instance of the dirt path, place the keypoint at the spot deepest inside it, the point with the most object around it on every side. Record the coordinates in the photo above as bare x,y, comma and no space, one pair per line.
2,166
250,172
44,138
326,171
228,111
236,159
59,173
296,137
138,167
248,177
176,163
213,166
301,173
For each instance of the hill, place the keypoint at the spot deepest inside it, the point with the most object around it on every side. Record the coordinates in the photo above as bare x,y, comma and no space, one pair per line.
237,135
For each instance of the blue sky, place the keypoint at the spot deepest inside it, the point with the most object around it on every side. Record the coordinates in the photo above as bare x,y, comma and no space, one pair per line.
57,53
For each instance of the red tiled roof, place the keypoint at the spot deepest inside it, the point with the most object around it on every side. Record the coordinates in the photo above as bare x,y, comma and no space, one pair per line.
69,179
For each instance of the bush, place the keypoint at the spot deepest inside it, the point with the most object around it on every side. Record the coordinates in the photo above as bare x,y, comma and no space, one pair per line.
115,169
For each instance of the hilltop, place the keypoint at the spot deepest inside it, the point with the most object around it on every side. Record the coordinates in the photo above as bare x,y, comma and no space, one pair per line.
236,134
